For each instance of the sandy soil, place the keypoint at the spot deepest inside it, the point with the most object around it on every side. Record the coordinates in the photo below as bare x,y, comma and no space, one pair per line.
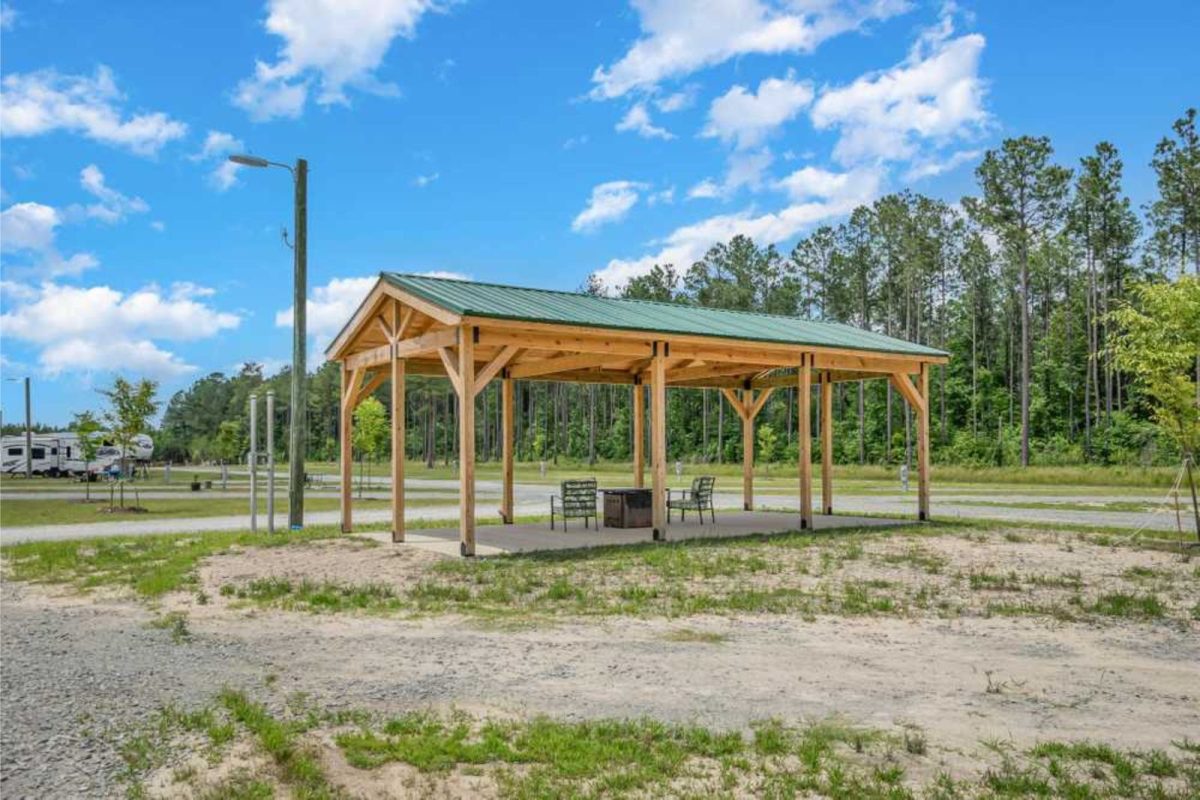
964,680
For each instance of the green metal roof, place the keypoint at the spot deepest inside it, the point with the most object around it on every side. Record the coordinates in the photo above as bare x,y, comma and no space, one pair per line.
469,298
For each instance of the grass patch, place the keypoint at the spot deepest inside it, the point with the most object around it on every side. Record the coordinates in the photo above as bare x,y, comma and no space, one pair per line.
1135,606
150,566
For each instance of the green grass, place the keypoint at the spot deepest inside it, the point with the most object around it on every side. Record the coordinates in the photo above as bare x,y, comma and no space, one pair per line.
524,758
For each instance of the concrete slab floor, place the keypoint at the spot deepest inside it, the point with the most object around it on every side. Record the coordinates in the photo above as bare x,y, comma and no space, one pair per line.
497,539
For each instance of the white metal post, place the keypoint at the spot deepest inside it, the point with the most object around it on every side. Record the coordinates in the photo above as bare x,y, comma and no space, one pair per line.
271,461
254,463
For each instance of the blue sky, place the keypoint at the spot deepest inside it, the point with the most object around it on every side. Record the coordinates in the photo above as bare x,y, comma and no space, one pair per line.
528,143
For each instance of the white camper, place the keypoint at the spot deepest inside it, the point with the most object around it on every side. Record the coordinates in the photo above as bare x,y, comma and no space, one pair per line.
52,456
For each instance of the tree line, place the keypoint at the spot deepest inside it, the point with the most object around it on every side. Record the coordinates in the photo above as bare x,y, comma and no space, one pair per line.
1021,283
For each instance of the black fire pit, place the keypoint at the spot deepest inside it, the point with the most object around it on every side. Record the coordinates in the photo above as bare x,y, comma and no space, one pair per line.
627,508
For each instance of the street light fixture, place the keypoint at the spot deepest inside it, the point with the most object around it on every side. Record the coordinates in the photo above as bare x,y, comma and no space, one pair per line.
297,435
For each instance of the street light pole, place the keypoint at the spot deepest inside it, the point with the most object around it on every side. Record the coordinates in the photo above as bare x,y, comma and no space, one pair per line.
298,433
299,405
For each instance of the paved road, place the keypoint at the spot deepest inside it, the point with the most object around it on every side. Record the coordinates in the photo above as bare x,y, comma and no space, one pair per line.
532,499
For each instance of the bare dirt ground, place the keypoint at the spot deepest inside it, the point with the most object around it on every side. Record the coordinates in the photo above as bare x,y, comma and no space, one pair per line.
967,678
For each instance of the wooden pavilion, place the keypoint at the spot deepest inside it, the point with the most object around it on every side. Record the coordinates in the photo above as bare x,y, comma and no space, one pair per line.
473,333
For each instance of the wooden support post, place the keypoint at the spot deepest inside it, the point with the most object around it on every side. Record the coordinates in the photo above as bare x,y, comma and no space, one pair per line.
804,432
658,439
639,434
827,443
398,425
747,450
506,413
466,440
923,445
345,434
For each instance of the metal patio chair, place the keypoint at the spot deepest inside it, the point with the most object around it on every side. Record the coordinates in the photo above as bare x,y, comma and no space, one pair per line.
698,498
577,499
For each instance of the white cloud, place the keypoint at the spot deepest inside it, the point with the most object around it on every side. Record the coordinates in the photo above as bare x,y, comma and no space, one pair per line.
575,141
747,118
99,328
328,45
421,181
637,119
930,167
609,202
29,229
217,147
827,198
934,96
113,206
8,16
158,225
744,170
664,196
28,226
678,38
677,101
35,103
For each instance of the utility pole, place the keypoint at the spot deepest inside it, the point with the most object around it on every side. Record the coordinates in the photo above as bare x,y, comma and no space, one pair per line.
298,433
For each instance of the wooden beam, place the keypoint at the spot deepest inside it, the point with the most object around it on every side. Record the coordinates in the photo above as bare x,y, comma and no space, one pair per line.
747,450
421,304
866,362
426,342
639,434
923,446
398,431
466,442
658,440
709,371
388,331
506,414
358,320
738,404
908,391
827,444
377,379
494,366
370,358
804,432
452,368
352,378
736,354
549,366
407,315
683,345
538,339
345,434
757,405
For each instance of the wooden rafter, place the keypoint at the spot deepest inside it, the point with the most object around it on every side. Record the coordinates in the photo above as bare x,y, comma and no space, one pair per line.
564,363
485,375
450,362
374,382
910,393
